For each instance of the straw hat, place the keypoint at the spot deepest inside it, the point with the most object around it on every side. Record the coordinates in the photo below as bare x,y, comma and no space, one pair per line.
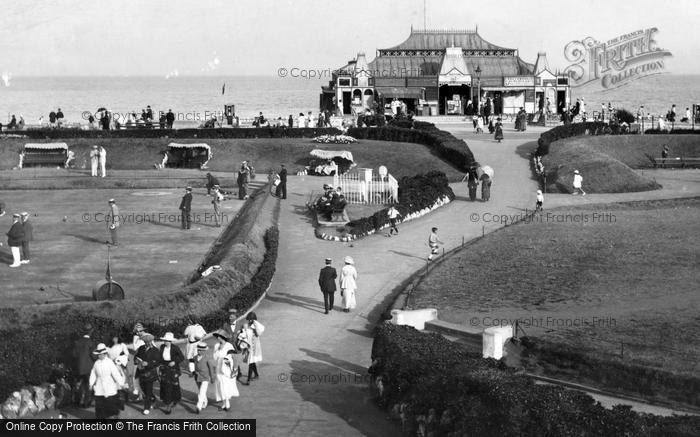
168,337
575,171
101,349
201,346
349,260
221,334
539,191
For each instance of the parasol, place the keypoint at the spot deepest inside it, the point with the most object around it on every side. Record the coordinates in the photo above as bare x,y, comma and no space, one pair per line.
484,170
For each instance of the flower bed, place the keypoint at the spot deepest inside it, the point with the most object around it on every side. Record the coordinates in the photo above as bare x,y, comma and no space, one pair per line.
418,196
334,139
434,387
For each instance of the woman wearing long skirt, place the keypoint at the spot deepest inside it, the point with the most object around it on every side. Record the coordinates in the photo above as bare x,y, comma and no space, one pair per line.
472,184
106,380
230,365
486,189
499,130
249,343
171,358
348,284
224,386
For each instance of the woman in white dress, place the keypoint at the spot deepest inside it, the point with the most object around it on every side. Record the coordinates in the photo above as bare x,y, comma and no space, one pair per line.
348,284
249,344
225,386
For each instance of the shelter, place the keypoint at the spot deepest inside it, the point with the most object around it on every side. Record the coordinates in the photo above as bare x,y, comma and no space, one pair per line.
330,162
53,154
187,155
439,71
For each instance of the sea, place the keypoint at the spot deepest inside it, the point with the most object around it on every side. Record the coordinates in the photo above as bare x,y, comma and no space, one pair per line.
195,99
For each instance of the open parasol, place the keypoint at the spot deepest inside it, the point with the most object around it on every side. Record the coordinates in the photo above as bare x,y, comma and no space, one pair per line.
484,171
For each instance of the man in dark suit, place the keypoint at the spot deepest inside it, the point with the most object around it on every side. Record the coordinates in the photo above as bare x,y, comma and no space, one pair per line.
84,360
15,236
282,187
231,326
28,236
186,208
170,118
326,280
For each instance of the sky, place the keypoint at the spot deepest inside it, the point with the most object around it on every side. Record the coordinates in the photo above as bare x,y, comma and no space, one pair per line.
244,37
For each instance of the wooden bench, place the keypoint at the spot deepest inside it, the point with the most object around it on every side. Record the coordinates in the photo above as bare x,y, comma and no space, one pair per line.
680,161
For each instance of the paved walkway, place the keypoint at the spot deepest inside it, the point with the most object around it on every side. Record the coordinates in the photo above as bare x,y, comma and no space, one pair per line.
313,376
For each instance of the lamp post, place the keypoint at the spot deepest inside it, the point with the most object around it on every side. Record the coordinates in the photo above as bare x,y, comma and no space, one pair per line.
478,89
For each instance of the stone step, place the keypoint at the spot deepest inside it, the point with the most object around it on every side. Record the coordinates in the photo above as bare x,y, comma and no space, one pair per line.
460,333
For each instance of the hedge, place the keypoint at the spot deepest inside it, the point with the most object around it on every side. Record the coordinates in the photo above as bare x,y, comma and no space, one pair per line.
234,133
30,354
563,360
415,194
434,387
573,130
672,132
449,148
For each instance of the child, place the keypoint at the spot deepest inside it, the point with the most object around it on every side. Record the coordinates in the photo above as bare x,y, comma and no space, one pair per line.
393,214
539,202
433,241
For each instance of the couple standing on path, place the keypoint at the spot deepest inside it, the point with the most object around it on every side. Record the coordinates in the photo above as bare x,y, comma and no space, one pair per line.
348,284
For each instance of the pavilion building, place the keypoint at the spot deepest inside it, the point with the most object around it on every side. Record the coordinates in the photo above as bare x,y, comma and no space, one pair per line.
444,72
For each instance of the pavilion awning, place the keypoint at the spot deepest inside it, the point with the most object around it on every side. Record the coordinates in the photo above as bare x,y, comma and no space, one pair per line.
401,92
190,146
46,146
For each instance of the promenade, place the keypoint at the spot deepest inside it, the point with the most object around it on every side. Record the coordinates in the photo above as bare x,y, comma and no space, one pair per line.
313,378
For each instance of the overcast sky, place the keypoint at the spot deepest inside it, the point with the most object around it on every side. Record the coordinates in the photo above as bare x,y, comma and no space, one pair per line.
257,37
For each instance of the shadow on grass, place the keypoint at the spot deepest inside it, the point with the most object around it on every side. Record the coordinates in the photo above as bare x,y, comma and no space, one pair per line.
409,255
341,389
88,239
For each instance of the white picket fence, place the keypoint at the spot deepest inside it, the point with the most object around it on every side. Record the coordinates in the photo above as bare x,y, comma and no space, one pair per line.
362,185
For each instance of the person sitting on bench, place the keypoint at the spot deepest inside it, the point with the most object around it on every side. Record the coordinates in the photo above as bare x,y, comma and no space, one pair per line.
338,205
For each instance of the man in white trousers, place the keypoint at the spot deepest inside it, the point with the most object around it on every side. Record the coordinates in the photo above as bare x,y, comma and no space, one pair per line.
204,373
103,161
94,160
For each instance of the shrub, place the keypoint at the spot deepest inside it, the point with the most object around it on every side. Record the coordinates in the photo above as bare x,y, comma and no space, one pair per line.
437,388
625,116
573,130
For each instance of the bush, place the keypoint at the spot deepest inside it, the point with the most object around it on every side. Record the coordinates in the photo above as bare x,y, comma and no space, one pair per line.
436,388
264,132
415,194
625,116
574,130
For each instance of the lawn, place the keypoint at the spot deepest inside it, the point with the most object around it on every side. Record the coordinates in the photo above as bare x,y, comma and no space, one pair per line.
69,257
612,279
402,159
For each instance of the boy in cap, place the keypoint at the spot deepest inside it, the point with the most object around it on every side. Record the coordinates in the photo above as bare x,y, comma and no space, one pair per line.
28,236
433,242
204,374
186,208
15,236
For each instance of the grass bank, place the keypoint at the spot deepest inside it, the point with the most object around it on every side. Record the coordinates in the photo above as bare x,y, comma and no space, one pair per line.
613,282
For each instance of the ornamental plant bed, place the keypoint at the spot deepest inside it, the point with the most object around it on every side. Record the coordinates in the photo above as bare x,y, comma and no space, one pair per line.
418,195
434,387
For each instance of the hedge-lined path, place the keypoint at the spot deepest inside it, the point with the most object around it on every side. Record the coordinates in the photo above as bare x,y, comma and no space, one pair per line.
313,376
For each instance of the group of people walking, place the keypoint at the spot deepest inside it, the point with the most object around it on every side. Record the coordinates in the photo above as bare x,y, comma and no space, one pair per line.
109,375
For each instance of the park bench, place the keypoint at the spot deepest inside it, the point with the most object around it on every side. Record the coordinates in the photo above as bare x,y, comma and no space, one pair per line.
679,161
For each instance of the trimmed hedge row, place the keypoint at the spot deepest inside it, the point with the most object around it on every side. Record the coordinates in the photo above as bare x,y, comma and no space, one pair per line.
264,132
449,148
574,130
31,352
434,387
415,194
563,360
672,132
